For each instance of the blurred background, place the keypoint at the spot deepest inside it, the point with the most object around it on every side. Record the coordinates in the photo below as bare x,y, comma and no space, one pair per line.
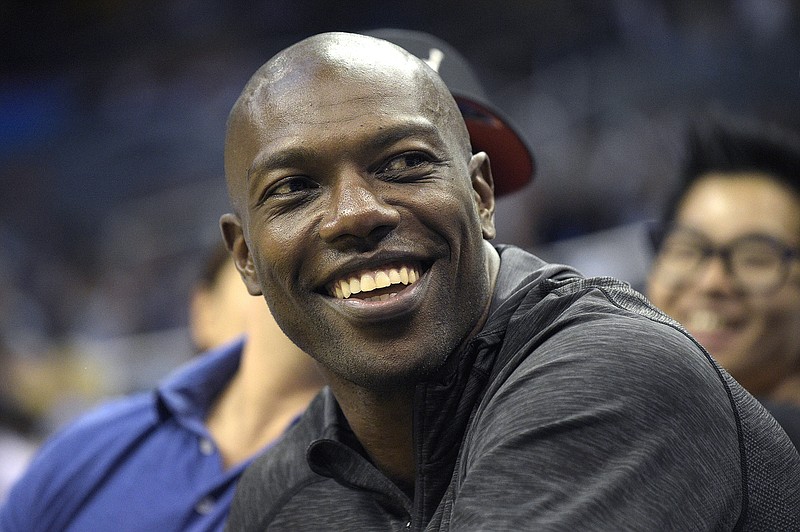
112,118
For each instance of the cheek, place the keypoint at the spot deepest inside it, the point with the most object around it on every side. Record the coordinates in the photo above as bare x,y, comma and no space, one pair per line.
775,327
781,314
275,249
661,296
776,336
456,214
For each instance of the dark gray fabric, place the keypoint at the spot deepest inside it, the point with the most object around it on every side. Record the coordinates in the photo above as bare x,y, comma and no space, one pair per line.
577,407
788,417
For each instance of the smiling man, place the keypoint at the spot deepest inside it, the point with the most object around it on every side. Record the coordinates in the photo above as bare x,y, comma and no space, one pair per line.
728,257
471,386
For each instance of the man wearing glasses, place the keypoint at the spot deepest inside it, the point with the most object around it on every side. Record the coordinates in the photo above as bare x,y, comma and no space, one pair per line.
728,259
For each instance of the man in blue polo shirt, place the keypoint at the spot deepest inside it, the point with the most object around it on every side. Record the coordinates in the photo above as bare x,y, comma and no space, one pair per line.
169,459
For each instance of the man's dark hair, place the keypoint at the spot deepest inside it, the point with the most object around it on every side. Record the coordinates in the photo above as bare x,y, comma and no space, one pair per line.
734,145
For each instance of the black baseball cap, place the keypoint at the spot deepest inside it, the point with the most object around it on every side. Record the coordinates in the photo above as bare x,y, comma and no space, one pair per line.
513,165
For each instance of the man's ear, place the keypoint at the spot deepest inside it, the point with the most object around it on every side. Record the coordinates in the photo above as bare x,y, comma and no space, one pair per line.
233,233
483,192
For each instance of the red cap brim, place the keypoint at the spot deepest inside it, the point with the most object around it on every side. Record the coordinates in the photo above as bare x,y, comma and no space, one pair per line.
511,160
490,130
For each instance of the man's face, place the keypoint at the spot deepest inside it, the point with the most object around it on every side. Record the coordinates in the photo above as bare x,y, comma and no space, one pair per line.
361,222
753,335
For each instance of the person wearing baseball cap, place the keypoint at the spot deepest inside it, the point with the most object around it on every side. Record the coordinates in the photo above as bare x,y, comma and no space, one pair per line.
490,130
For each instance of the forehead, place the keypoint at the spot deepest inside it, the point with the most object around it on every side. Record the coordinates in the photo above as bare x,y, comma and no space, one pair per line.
725,207
325,95
337,69
316,92
327,119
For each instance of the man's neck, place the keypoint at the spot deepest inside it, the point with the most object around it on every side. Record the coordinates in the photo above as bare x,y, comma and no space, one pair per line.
382,422
257,406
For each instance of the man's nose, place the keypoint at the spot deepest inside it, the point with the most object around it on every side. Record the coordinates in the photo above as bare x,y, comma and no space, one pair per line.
716,275
357,210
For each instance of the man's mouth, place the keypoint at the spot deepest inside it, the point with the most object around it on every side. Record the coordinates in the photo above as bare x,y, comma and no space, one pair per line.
375,284
706,321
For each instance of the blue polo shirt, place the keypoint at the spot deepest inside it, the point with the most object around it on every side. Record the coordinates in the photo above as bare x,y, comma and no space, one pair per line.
144,463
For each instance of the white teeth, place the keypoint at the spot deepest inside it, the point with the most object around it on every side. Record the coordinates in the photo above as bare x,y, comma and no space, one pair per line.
367,283
355,285
705,321
382,280
376,279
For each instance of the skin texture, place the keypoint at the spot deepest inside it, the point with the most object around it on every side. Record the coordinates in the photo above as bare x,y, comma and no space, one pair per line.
346,154
275,380
217,314
756,336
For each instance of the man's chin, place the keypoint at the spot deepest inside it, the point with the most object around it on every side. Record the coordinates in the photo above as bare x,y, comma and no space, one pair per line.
389,375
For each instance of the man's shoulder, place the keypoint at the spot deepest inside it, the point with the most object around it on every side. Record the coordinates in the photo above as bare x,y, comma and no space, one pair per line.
788,416
108,422
581,308
614,332
603,330
596,339
526,281
595,330
601,350
70,462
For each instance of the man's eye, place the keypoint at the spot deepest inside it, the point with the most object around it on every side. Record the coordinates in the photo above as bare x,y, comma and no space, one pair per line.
405,161
291,185
289,189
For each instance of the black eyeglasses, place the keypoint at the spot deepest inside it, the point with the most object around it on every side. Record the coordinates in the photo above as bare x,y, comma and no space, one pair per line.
758,263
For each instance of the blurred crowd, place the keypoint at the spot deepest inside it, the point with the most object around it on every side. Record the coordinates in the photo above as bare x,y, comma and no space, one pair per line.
112,128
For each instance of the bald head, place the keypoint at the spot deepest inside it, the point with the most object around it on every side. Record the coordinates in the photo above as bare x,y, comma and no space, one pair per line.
328,66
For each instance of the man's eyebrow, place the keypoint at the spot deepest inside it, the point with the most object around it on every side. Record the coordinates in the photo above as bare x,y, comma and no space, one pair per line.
287,158
294,157
396,132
